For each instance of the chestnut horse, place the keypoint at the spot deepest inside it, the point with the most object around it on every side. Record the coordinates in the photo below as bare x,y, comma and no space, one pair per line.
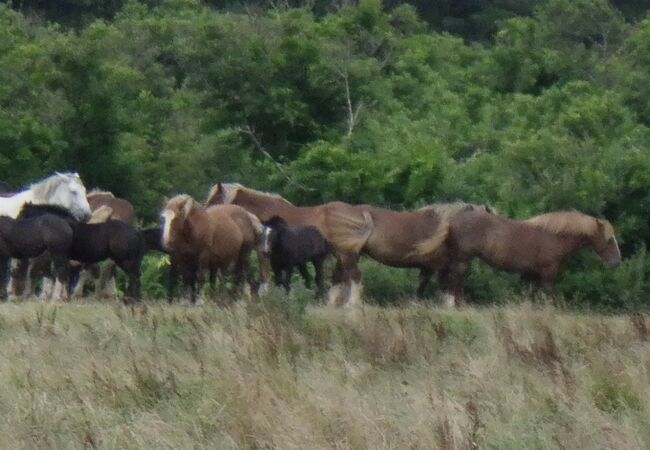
536,248
210,239
399,239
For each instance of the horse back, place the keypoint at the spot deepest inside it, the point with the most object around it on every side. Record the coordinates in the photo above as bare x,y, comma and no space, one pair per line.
122,209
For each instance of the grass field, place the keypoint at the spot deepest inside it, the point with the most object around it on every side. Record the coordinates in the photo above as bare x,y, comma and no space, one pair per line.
250,376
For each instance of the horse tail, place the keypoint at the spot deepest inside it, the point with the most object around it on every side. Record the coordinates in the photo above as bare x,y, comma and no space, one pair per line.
258,226
348,230
433,243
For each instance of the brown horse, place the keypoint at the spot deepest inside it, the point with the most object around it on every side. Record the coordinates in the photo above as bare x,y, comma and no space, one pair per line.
535,248
210,239
398,239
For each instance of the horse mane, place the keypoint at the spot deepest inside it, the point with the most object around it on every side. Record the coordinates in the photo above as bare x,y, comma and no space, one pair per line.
42,190
448,211
571,222
100,192
230,192
182,202
32,210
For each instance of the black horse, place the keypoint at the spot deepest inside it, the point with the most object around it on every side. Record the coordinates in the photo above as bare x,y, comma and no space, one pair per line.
96,242
294,246
29,237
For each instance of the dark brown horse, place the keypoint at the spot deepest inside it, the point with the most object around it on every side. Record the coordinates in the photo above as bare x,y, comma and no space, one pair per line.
210,239
535,248
399,239
123,211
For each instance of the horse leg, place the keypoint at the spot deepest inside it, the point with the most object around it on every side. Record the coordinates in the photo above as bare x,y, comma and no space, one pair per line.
265,272
84,276
106,287
286,281
351,295
425,278
306,276
4,275
19,282
335,292
451,278
61,273
132,268
318,268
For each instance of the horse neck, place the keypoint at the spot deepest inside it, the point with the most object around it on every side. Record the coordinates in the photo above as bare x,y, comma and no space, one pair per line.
11,206
198,221
263,207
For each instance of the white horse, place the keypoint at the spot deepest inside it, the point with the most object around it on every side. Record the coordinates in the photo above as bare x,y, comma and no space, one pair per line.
61,189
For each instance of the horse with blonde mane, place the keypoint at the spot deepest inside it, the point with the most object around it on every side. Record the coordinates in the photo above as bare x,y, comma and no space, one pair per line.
211,239
535,248
399,239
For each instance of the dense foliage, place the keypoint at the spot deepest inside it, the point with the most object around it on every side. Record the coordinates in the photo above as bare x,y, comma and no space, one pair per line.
529,106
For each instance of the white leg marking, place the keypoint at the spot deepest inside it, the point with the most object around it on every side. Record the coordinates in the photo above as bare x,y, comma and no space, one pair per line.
46,289
78,290
448,300
264,289
355,294
334,294
56,294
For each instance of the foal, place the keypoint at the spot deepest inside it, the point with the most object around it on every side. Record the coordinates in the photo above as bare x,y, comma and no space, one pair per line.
31,237
294,246
96,242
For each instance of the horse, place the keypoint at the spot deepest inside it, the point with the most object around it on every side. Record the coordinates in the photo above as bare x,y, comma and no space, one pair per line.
40,267
93,243
210,239
61,189
294,246
395,238
122,210
32,236
535,248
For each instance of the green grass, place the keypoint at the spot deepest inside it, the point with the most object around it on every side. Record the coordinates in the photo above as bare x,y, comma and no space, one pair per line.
257,376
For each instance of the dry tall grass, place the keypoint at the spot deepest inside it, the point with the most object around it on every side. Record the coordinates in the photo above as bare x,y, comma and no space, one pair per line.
101,376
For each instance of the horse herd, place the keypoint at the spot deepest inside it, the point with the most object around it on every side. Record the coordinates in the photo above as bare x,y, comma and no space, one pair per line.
54,229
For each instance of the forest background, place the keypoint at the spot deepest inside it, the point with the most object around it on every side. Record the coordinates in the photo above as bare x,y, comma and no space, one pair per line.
529,106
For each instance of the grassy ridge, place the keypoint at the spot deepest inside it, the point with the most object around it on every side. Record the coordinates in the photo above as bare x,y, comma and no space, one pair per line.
251,376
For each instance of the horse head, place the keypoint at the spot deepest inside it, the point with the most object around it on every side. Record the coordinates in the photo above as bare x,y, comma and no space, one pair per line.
65,190
605,245
174,214
270,232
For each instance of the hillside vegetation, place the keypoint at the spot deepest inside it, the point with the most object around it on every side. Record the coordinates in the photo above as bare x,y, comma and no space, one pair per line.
272,376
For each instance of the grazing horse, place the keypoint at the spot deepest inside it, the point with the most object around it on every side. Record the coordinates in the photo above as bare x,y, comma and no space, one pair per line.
31,237
122,210
398,239
210,239
96,242
535,248
61,189
294,246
